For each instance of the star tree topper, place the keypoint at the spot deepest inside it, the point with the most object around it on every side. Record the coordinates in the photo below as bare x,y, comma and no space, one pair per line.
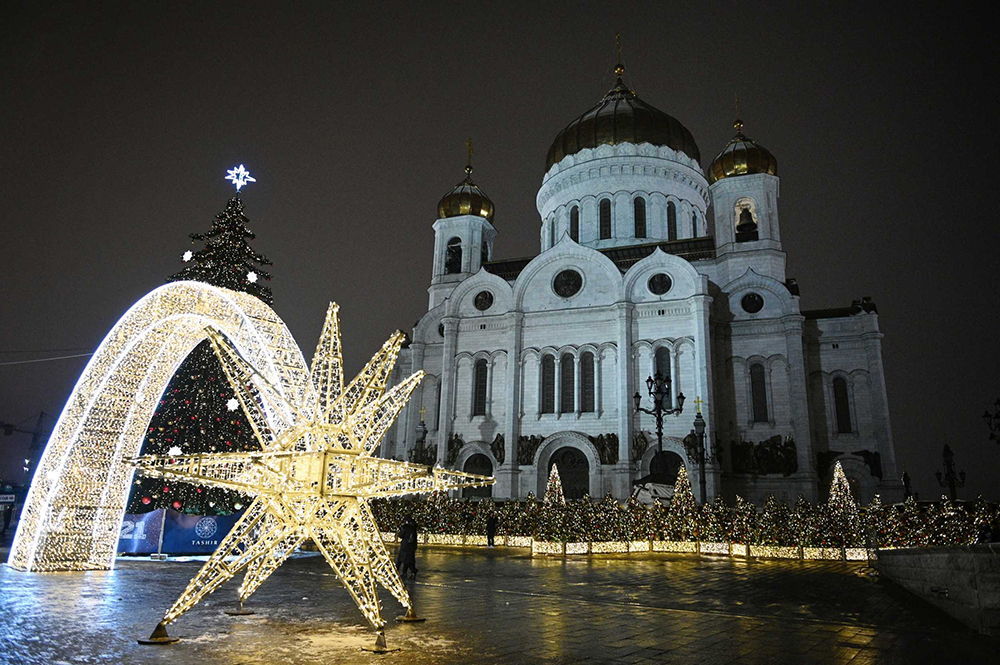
313,476
240,177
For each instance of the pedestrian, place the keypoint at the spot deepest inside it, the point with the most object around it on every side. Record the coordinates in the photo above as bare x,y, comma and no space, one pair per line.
491,529
8,511
406,558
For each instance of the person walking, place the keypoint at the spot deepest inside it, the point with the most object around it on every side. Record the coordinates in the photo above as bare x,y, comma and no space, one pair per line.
8,512
491,529
406,558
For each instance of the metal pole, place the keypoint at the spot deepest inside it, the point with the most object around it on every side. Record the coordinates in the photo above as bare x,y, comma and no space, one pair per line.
701,468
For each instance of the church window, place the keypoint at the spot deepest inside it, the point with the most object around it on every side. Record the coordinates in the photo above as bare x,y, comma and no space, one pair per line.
566,384
483,301
587,382
479,397
662,362
843,405
758,393
752,303
671,221
605,213
694,225
484,253
548,384
574,223
659,284
567,283
453,257
640,217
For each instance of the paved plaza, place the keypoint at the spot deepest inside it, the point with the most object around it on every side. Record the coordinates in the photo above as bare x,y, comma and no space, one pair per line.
493,606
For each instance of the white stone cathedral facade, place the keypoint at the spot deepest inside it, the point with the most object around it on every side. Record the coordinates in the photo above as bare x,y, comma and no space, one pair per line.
647,264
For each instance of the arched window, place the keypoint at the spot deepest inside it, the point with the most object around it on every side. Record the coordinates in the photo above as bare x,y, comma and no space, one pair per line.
566,386
479,388
694,225
587,382
671,221
548,384
574,223
662,362
453,257
605,219
758,393
484,253
640,217
843,405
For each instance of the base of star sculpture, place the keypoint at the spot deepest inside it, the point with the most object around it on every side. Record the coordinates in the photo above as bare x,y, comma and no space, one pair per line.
410,616
239,611
159,636
379,646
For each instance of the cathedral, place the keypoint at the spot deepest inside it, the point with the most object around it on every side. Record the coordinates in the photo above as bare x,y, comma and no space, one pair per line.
649,266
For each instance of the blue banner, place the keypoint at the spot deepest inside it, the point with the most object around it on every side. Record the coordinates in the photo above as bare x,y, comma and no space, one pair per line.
195,534
140,534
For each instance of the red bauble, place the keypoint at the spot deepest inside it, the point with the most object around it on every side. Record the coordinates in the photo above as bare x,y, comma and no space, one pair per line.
198,490
166,489
146,500
177,505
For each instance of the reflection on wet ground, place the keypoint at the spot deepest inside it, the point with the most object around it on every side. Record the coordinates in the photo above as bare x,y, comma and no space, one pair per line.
492,606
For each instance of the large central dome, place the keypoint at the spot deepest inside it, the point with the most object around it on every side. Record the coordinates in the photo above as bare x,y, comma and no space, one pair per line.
621,117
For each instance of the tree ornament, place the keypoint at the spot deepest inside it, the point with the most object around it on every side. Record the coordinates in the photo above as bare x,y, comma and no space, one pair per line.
146,500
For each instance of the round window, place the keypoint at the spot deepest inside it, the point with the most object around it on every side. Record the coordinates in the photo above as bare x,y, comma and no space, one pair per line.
484,300
567,283
752,303
659,284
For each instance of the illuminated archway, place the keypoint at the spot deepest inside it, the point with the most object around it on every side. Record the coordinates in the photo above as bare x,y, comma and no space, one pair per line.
71,517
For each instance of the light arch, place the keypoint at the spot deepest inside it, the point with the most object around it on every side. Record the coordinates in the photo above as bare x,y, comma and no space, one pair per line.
74,508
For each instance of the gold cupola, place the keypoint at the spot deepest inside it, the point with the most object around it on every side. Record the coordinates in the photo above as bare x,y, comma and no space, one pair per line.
466,198
741,156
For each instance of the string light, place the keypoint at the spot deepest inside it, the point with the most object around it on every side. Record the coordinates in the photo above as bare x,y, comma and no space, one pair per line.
312,477
73,511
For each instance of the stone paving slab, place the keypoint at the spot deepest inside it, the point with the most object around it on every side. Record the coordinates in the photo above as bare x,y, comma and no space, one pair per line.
493,606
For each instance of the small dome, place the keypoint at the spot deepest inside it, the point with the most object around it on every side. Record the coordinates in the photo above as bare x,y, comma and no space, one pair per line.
741,156
466,199
621,117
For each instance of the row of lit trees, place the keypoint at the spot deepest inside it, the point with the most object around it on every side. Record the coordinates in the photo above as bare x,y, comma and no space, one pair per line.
836,523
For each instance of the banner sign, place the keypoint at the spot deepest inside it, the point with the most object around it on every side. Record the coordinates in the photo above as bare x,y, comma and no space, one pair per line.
195,534
140,534
6,498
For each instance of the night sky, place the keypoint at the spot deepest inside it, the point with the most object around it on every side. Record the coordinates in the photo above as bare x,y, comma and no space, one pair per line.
120,122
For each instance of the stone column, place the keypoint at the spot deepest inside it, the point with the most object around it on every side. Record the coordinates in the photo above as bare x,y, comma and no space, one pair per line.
799,404
880,403
404,443
446,409
703,384
507,482
621,478
577,386
489,388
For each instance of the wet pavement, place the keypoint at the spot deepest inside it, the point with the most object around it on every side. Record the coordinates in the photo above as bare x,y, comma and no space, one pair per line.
492,606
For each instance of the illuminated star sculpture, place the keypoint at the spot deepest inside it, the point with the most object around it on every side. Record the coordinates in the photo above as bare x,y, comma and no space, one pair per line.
240,177
312,477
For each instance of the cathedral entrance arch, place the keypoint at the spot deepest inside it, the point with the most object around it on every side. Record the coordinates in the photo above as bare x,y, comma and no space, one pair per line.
677,454
578,462
666,464
74,509
479,464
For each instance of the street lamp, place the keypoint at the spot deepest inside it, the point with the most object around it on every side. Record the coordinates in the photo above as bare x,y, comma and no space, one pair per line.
950,479
659,389
993,421
695,445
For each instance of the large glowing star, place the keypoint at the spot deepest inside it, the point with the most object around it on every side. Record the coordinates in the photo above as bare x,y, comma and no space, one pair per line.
240,177
312,477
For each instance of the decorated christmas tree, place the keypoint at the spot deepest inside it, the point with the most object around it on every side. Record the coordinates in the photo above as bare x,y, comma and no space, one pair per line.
843,521
774,525
805,523
712,521
553,490
197,412
744,521
682,518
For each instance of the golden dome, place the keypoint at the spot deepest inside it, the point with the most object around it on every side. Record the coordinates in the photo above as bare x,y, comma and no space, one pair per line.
466,199
621,117
741,156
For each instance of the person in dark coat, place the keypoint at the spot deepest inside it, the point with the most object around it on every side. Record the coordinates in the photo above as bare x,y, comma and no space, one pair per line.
491,529
406,558
8,511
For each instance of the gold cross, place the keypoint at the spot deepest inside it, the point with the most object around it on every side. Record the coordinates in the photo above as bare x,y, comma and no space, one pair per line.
422,412
468,144
698,402
618,45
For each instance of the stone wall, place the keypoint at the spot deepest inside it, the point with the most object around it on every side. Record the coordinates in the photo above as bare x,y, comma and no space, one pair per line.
962,581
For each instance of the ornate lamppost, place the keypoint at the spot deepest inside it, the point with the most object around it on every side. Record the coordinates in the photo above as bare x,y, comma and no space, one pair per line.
694,443
659,389
950,479
993,421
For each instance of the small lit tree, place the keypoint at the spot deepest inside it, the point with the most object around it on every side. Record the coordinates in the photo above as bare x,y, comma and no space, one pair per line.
553,490
682,518
843,521
774,526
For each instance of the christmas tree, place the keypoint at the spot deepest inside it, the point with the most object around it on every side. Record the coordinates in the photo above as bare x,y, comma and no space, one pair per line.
553,490
774,526
197,412
744,521
227,259
843,521
682,518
